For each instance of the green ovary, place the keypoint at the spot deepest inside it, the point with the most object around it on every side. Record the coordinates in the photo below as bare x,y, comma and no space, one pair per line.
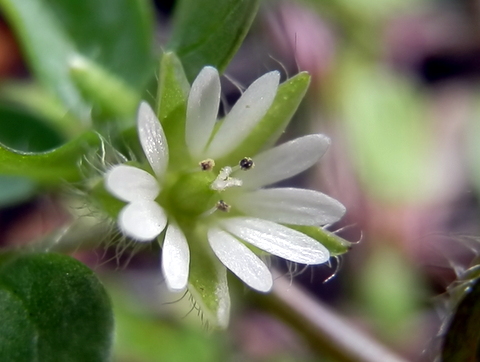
191,193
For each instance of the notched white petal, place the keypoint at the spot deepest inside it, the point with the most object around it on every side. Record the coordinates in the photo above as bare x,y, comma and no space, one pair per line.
285,161
290,206
245,114
277,240
175,258
202,110
240,260
142,220
152,139
131,183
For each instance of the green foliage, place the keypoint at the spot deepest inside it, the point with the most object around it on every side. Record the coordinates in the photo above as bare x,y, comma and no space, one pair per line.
389,138
109,92
53,308
113,33
143,337
209,32
25,131
53,167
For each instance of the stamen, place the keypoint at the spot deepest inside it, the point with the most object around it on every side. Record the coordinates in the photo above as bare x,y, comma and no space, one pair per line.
223,206
219,206
246,163
207,165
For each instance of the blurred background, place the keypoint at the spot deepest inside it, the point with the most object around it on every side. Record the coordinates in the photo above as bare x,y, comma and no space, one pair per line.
395,85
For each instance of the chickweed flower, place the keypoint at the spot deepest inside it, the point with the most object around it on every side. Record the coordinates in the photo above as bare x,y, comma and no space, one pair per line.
202,205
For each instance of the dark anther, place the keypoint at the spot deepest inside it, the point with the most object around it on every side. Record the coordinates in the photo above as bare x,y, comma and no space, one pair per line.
223,206
246,163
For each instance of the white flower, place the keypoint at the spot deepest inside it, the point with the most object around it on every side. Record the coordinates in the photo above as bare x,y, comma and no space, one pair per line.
257,215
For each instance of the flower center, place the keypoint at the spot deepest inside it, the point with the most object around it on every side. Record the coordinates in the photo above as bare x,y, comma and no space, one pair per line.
197,193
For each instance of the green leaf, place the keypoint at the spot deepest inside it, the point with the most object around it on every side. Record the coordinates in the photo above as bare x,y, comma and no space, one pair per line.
53,308
53,167
113,33
390,289
209,32
25,131
335,244
270,128
140,335
29,95
207,282
114,96
172,96
389,139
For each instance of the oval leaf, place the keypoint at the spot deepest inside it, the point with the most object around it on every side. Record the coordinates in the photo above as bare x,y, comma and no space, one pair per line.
209,32
53,308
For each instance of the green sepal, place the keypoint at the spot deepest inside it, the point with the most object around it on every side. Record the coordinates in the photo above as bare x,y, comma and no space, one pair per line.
106,90
209,32
335,244
207,282
52,167
53,309
270,128
172,96
105,201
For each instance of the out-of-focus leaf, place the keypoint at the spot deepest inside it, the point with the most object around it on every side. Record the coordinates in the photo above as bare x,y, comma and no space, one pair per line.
209,32
114,96
461,340
52,167
391,291
385,119
26,132
142,337
32,97
23,131
53,308
114,33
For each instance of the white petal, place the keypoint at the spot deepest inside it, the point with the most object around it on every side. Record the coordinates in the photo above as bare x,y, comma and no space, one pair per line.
152,139
277,240
240,260
143,220
284,161
131,183
175,258
245,114
290,206
202,110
